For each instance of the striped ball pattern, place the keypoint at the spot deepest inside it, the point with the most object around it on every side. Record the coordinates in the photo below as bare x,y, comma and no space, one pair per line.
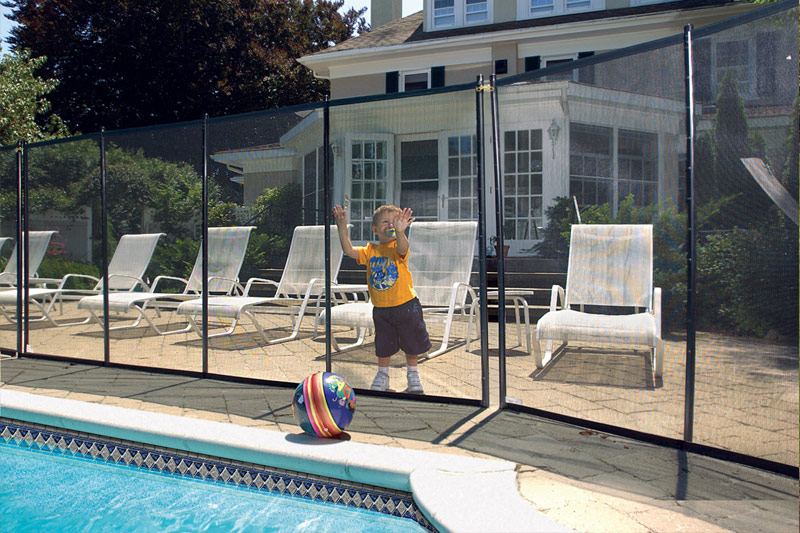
323,404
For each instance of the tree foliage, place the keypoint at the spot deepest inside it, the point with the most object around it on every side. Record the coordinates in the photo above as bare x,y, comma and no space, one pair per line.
126,63
24,110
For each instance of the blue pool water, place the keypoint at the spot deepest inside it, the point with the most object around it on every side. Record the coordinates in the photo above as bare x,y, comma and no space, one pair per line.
45,492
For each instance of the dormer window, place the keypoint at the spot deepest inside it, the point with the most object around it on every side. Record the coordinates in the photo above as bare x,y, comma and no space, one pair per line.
527,9
454,13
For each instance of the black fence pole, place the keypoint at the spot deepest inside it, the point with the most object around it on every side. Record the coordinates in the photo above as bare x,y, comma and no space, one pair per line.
691,242
25,255
204,216
482,241
326,222
18,243
104,237
501,268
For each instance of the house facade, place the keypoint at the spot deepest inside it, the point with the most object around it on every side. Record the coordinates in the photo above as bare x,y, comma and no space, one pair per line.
582,132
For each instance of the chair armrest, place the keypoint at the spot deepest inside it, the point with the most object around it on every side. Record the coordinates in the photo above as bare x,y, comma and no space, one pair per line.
235,285
138,280
556,295
68,277
170,278
258,281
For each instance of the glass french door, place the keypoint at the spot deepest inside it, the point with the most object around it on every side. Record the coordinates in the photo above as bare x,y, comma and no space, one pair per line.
370,163
522,185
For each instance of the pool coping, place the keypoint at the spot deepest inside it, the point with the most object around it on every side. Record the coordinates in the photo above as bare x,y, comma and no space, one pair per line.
455,493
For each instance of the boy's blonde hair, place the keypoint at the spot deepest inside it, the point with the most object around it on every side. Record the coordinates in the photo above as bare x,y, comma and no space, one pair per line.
383,209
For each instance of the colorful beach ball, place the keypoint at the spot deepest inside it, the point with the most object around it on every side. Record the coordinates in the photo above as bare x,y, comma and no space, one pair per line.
323,404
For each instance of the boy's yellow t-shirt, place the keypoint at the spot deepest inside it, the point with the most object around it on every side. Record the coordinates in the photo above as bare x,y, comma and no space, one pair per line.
389,280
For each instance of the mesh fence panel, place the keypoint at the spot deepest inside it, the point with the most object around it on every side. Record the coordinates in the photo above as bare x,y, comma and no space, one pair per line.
596,142
64,186
8,229
600,143
746,82
416,152
270,168
154,185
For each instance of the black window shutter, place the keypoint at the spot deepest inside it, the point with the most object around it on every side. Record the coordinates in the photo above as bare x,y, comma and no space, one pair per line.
533,63
586,74
437,77
392,82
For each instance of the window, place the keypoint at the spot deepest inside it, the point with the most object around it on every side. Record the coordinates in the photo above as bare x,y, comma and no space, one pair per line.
444,13
548,8
369,175
584,74
462,177
637,161
415,81
452,13
593,176
522,184
734,56
590,153
751,62
476,11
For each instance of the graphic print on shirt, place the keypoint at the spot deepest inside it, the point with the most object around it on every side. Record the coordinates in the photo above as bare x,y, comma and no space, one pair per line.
382,273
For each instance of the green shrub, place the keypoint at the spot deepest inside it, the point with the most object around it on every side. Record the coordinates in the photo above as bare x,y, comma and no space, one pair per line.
747,279
58,267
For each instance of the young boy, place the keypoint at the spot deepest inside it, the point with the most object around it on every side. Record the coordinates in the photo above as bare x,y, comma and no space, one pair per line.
397,314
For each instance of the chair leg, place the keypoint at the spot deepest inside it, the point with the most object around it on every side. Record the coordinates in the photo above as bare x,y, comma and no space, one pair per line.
469,323
658,356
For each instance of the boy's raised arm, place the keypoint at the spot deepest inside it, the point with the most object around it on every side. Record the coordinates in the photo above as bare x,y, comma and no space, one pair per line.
340,216
401,222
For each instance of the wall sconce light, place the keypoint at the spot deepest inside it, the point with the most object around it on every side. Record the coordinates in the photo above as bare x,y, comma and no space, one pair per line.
553,132
336,149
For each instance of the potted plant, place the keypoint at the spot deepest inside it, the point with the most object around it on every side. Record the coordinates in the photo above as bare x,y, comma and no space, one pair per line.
493,241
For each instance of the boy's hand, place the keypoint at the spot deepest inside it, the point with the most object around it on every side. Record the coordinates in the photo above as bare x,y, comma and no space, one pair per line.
339,215
403,220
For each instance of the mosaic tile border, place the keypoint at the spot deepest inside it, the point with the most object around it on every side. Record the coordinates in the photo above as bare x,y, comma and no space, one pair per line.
212,470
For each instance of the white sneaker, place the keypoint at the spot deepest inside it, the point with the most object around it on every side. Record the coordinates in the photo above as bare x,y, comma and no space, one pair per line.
381,381
414,383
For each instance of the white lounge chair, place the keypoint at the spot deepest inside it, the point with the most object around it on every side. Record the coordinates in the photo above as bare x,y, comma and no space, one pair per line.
125,273
38,241
610,265
302,283
440,261
226,249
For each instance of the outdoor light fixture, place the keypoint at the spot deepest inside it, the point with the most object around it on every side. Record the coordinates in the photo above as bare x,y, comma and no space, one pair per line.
553,132
336,149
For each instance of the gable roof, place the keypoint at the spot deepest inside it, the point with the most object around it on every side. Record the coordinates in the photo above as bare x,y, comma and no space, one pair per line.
409,29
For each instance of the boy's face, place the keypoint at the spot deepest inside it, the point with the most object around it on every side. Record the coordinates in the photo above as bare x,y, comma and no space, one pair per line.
384,227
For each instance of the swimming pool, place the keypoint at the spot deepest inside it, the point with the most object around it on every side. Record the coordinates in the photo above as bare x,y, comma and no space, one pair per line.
54,480
450,492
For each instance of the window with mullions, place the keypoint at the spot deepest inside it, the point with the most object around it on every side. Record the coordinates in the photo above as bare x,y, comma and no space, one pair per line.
751,62
368,184
313,186
548,8
449,13
638,163
522,184
590,154
462,173
593,177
